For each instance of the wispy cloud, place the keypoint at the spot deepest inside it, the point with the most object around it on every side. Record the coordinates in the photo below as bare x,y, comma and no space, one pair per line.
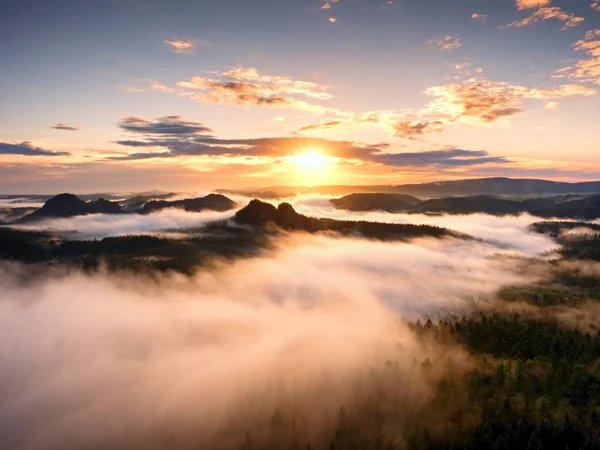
554,12
184,45
585,69
321,125
244,87
26,148
64,127
445,43
327,4
596,5
169,125
480,17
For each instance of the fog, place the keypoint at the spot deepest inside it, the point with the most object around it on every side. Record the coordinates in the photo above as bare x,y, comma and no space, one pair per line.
98,361
104,225
23,202
507,231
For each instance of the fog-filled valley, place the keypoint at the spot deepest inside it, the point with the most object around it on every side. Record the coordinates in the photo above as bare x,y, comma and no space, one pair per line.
203,321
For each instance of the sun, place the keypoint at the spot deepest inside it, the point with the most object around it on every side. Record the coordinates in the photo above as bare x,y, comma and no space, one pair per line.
309,160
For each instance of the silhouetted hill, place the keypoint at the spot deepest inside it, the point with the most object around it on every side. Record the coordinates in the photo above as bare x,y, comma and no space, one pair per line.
470,205
212,202
69,205
139,200
258,213
379,201
579,208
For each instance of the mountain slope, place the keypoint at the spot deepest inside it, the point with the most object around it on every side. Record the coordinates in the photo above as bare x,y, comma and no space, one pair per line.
258,213
212,202
383,202
69,205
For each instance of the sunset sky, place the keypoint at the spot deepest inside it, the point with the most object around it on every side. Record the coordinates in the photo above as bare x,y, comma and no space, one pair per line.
126,95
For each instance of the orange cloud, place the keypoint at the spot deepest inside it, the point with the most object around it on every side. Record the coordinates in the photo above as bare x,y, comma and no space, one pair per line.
180,45
586,69
445,43
547,13
529,4
410,130
482,102
248,87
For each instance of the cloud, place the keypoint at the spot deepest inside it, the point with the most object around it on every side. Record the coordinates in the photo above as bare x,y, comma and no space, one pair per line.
596,5
323,125
410,130
333,20
286,146
144,362
552,105
439,158
95,226
530,4
445,43
64,127
585,70
26,148
481,101
182,45
480,17
169,125
467,69
570,20
327,4
475,101
245,87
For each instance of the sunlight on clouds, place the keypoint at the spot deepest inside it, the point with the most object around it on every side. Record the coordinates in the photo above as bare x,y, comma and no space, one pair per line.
530,4
570,20
445,43
312,159
180,45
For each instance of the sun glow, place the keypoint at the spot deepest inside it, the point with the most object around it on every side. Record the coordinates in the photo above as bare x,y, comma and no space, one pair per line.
309,160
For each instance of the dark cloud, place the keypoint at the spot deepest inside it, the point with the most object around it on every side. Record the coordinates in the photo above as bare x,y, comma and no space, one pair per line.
322,125
285,146
27,149
169,125
64,127
440,158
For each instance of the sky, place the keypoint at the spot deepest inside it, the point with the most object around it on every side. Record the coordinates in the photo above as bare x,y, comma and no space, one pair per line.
132,95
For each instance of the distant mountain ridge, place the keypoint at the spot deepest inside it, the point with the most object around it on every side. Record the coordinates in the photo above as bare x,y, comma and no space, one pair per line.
481,186
584,208
69,205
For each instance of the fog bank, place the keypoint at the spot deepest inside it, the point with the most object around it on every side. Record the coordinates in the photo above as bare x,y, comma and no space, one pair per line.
92,361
